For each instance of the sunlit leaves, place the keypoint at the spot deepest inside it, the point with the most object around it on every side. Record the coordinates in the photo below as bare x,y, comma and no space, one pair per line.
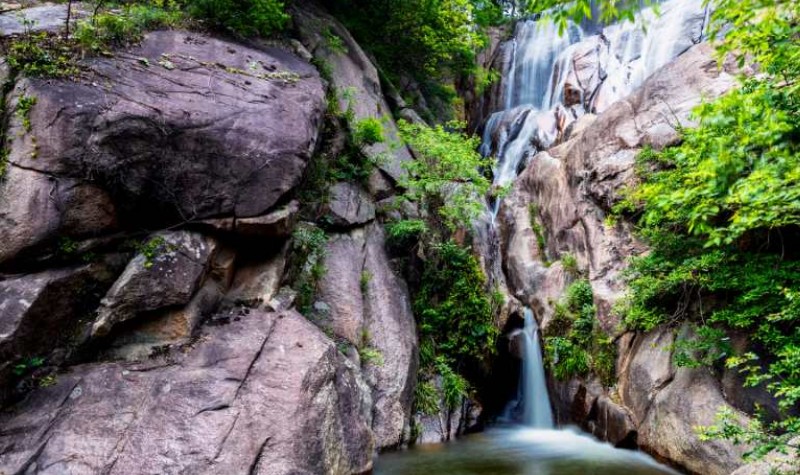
715,210
446,176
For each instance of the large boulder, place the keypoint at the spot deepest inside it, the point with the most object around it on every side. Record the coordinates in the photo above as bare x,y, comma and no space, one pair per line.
268,394
180,128
370,307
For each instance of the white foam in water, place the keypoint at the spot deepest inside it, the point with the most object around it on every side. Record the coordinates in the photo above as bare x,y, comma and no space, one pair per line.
540,61
521,451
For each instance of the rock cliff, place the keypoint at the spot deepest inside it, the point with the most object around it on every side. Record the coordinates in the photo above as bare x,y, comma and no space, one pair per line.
147,213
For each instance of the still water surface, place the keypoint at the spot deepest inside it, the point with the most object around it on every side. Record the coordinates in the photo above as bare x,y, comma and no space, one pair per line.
520,451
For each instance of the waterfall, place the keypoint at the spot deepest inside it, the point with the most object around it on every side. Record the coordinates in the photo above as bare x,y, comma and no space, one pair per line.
597,69
536,48
535,399
549,81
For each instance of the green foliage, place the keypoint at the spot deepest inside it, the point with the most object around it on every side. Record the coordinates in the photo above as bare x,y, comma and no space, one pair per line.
453,305
429,37
242,17
446,176
42,55
453,308
704,347
370,356
367,132
484,78
123,27
570,264
3,163
567,358
364,281
152,249
760,439
24,106
563,11
405,233
538,231
454,386
27,365
307,262
575,344
721,212
48,380
68,246
426,398
334,42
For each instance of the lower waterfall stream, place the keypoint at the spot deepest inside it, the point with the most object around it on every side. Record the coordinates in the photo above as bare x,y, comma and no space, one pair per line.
528,447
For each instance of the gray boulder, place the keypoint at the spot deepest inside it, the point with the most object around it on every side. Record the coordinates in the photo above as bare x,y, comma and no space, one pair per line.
41,312
268,394
348,205
49,18
182,127
167,275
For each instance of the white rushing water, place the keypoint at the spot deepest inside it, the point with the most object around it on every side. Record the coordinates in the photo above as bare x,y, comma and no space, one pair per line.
536,401
597,65
540,64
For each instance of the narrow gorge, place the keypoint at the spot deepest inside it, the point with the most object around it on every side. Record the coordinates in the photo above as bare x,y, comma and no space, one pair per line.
399,237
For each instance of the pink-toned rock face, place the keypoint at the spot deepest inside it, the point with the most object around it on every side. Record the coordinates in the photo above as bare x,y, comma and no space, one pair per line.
182,127
574,185
267,394
356,82
368,305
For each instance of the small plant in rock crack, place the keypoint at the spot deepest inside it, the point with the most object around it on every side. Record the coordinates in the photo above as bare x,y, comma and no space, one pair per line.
152,249
371,356
308,252
49,380
366,276
334,42
27,365
570,264
24,106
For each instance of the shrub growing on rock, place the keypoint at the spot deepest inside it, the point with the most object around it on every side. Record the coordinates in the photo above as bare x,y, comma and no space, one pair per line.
243,17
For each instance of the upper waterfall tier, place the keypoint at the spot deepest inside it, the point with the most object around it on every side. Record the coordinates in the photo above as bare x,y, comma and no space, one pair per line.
551,79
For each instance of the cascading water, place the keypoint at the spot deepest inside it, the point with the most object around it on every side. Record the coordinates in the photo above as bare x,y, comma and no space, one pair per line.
536,401
549,81
541,66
